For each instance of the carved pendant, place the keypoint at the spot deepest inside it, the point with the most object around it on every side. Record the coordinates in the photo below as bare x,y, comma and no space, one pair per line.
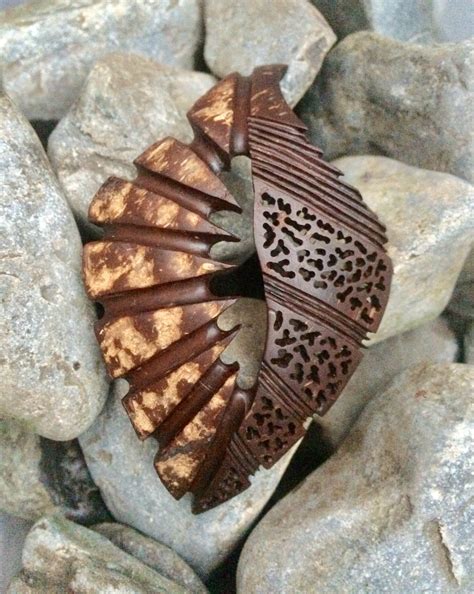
326,279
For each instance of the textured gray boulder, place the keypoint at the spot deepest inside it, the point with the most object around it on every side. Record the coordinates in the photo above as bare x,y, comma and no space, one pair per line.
154,554
39,476
122,468
50,365
389,512
407,20
379,96
430,229
60,556
432,342
48,47
242,35
127,103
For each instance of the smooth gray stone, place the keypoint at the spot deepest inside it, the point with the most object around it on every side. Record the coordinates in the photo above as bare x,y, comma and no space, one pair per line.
127,103
60,556
154,554
47,47
375,95
433,342
122,467
39,476
52,377
406,20
242,35
430,229
391,511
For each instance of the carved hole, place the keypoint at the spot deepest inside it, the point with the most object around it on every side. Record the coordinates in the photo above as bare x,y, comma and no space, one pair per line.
343,238
303,229
325,226
374,300
280,249
344,254
306,274
319,264
292,237
301,349
269,235
320,285
355,303
279,268
283,359
298,374
302,254
310,337
322,357
344,294
317,237
284,206
314,374
305,214
298,325
278,320
267,199
286,339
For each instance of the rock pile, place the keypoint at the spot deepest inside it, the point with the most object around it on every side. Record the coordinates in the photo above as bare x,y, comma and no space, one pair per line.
388,511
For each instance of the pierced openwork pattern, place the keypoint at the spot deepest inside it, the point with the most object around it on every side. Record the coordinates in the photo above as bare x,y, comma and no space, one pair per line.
325,256
317,360
325,272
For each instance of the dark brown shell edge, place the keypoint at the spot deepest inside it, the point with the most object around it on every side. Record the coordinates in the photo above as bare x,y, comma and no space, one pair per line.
325,270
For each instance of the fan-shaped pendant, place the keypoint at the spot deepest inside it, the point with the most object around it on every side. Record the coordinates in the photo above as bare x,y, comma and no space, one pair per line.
326,280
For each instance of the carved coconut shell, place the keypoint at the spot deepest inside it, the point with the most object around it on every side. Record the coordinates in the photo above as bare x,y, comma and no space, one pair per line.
326,279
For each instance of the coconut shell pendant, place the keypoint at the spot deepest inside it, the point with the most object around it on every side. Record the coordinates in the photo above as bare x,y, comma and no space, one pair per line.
171,334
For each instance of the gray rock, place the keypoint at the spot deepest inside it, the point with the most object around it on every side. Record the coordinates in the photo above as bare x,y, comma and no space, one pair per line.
410,102
245,34
13,532
127,103
51,369
60,556
432,342
122,467
48,47
430,229
407,20
239,183
154,554
462,301
389,512
467,273
248,347
469,344
39,476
